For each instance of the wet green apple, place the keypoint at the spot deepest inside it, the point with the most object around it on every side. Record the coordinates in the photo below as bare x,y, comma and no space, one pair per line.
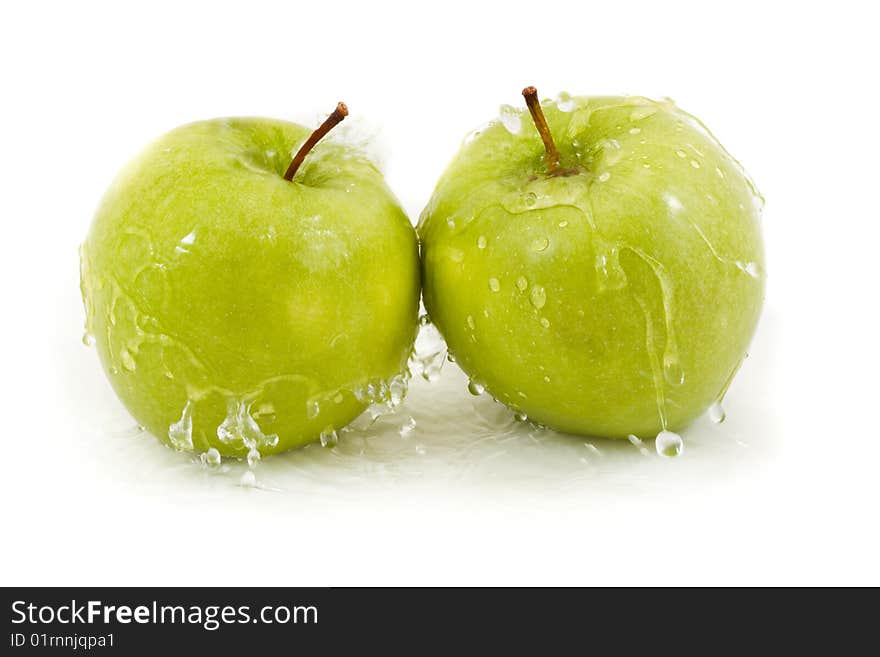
238,310
602,274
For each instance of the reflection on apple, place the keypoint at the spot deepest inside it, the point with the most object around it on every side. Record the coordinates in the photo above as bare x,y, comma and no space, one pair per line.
602,274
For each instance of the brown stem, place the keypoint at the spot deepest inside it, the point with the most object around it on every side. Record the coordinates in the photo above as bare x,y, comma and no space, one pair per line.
338,114
534,105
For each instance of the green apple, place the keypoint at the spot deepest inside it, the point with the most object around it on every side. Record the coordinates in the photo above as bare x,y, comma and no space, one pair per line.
239,310
602,275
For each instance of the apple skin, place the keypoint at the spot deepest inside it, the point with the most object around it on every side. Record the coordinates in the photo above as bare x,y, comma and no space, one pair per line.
269,310
618,299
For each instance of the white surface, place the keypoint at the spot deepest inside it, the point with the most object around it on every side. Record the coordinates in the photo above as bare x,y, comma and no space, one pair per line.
792,94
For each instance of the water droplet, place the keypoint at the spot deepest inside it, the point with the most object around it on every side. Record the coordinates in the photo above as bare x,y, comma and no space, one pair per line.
681,153
643,112
519,416
313,409
421,450
719,172
510,119
716,413
529,199
603,177
494,284
329,437
338,399
450,356
546,379
669,444
672,370
476,388
695,164
127,360
88,339
538,296
545,322
565,102
211,457
481,242
407,427
456,255
634,131
521,283
253,457
593,449
180,432
248,479
609,271
563,224
540,244
470,323
636,441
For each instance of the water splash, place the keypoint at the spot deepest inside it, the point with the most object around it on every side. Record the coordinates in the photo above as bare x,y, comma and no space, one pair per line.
180,433
407,427
429,351
211,457
239,429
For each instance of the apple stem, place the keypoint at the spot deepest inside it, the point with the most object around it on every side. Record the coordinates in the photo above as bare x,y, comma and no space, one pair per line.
338,114
534,105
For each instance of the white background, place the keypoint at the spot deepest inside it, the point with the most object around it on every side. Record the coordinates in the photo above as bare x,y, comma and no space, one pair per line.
792,93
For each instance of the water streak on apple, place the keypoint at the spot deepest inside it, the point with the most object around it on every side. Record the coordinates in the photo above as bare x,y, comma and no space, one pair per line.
603,276
238,312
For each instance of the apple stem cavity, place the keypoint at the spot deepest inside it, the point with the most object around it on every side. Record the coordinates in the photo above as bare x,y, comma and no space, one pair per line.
534,105
330,122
